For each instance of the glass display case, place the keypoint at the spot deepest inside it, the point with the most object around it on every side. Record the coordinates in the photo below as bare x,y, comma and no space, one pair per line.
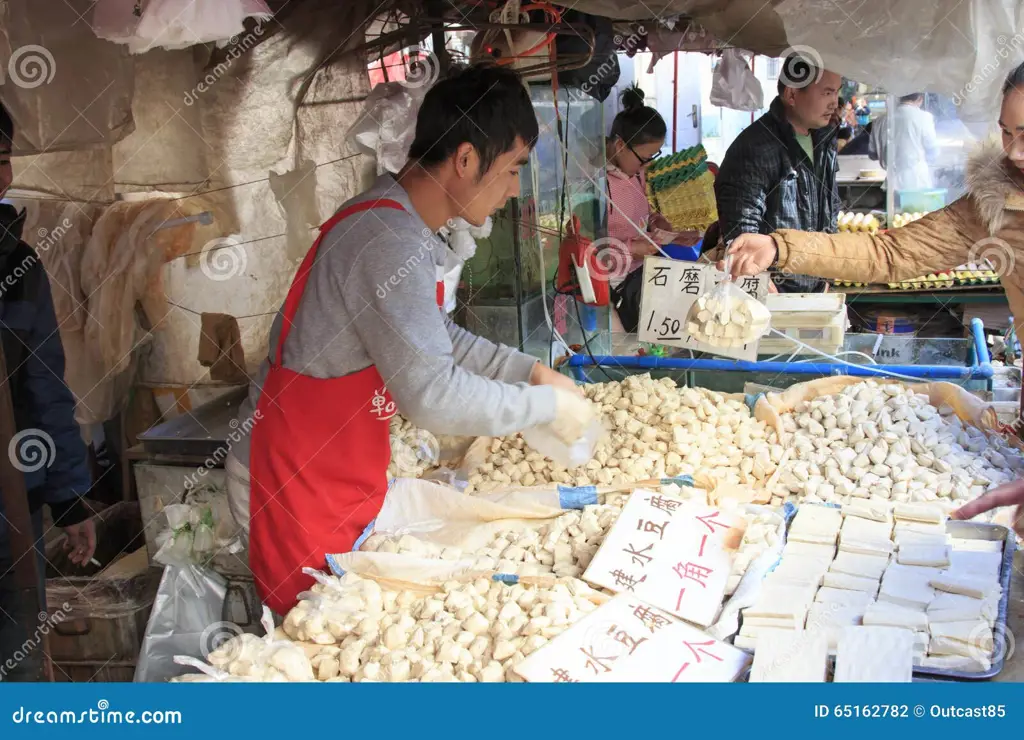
507,287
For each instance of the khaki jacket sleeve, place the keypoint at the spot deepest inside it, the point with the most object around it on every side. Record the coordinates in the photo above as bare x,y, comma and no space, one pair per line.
940,241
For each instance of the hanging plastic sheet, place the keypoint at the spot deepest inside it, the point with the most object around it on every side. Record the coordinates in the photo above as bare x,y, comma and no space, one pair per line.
960,48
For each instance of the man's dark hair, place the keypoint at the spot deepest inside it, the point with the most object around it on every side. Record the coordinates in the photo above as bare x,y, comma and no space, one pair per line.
486,106
1014,79
797,72
912,98
637,124
6,127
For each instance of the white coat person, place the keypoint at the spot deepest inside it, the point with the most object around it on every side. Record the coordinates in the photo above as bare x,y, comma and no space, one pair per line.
916,145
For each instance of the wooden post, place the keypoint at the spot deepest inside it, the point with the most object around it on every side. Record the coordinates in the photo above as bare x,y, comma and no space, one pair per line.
22,536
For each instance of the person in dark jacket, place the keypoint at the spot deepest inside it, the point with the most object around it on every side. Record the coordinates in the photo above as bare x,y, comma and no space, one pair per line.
780,172
47,446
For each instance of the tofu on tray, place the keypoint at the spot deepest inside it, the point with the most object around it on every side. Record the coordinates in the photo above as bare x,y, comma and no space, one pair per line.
883,588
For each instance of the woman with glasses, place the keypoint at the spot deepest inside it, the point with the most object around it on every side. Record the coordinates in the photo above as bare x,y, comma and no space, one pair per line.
637,135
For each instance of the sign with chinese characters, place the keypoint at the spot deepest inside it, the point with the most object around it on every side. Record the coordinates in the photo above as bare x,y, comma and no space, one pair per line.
671,553
628,640
671,287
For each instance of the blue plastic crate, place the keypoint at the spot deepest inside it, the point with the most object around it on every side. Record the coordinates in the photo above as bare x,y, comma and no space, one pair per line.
683,252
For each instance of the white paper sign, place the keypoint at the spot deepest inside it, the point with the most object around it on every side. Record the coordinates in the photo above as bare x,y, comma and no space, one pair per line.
630,641
671,287
674,554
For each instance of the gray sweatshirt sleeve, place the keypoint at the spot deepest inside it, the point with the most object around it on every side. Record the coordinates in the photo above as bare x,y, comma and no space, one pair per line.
404,332
483,357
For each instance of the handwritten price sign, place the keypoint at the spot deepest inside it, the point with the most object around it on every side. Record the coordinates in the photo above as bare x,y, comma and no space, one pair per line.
670,553
627,640
671,287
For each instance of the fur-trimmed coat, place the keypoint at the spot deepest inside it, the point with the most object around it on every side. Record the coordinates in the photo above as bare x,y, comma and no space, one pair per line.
988,222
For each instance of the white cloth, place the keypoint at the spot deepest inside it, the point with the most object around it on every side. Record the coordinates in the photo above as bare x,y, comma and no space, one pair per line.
916,145
238,493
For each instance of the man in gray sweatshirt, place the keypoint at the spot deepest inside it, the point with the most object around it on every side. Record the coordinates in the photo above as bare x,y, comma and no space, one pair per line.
365,338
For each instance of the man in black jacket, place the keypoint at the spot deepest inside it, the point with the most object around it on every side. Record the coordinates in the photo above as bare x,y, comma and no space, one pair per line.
780,172
47,446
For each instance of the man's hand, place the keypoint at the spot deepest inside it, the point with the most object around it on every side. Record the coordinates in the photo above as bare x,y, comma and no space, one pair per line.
751,254
1009,494
544,375
81,541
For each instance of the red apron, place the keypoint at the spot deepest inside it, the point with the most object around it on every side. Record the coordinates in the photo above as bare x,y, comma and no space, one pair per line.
318,460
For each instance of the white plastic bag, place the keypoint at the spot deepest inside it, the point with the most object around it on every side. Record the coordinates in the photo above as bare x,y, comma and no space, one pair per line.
733,85
186,613
546,442
386,128
174,24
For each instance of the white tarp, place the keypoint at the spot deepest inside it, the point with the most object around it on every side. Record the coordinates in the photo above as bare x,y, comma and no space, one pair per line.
960,48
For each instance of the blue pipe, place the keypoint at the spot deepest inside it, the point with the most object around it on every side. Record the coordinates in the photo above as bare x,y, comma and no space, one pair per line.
952,372
982,355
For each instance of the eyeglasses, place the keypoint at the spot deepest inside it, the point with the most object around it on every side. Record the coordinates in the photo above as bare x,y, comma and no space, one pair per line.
642,160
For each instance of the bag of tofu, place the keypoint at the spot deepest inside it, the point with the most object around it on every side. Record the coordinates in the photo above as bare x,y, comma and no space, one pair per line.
969,408
727,317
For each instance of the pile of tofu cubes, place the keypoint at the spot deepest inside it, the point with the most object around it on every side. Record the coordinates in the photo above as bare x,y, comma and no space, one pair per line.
883,588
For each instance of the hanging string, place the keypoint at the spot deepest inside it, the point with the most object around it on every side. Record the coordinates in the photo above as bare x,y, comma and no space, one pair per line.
14,188
200,313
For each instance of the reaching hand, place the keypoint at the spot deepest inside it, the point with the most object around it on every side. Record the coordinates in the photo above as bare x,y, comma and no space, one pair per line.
1009,494
751,254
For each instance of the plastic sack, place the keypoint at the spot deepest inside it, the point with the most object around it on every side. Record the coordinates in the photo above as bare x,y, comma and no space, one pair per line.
726,316
734,86
198,530
188,604
387,125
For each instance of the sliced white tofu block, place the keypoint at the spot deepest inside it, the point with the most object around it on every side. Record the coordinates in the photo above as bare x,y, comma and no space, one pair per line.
875,654
788,658
865,566
977,587
920,512
886,614
927,555
851,583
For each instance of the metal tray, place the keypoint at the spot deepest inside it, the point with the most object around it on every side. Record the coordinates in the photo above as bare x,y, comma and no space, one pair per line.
200,432
966,531
991,532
